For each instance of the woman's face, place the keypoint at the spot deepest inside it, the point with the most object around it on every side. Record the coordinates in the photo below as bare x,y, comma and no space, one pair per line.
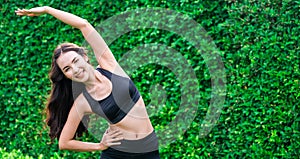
74,66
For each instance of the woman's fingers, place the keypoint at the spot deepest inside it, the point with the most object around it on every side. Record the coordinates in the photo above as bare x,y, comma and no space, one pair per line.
115,143
19,12
116,134
114,140
22,12
30,12
112,137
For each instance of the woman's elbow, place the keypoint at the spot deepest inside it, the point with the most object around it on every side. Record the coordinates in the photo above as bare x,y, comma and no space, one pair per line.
86,28
62,145
84,24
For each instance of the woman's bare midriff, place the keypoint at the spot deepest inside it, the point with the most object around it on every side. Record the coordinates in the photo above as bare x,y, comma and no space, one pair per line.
136,124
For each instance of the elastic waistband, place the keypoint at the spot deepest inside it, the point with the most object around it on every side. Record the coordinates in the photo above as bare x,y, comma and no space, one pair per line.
146,144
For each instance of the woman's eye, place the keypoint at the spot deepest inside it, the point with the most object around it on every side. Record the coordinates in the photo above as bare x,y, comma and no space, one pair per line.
66,70
76,60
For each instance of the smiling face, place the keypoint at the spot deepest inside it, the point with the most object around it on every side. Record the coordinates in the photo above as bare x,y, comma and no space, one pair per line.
74,66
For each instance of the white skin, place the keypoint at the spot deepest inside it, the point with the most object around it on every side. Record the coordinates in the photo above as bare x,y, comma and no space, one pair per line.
74,66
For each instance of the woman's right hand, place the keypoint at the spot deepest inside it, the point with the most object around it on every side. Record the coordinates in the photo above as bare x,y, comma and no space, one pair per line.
32,12
111,138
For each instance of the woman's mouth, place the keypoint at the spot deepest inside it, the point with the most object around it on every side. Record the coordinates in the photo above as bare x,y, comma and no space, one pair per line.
78,75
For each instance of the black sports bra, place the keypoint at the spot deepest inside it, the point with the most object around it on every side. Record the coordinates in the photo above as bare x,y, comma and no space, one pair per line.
119,102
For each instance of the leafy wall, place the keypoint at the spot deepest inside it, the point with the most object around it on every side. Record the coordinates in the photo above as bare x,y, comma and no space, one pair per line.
258,42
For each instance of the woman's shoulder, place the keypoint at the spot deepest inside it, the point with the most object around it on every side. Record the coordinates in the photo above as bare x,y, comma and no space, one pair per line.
116,71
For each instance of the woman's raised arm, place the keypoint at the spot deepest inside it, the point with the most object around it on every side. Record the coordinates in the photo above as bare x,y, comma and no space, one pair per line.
65,17
102,52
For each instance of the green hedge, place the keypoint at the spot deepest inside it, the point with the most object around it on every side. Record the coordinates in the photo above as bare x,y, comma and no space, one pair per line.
259,46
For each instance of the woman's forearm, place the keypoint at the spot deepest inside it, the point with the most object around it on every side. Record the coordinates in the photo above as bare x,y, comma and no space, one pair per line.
66,17
76,145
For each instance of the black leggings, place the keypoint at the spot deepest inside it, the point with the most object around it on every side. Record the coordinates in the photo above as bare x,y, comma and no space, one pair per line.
145,148
111,153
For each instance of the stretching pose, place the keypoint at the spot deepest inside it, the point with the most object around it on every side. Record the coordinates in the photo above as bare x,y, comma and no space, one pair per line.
106,91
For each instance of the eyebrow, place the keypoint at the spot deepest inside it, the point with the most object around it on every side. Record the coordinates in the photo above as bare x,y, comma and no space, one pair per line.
71,62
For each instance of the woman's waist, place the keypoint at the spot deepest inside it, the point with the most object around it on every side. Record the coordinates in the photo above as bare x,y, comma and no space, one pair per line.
133,130
135,136
148,143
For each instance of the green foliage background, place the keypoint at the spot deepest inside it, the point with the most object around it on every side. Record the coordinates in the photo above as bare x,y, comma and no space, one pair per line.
259,46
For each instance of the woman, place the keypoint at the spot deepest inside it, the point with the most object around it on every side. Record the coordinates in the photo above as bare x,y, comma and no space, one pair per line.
107,91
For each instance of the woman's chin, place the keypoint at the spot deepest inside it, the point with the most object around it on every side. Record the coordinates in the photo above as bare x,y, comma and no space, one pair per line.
80,79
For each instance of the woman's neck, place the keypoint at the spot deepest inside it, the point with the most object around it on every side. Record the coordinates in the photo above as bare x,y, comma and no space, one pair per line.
94,79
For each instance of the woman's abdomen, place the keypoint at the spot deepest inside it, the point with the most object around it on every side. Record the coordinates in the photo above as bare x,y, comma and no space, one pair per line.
136,124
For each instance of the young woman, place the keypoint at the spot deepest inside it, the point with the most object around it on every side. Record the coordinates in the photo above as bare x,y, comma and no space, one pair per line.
107,91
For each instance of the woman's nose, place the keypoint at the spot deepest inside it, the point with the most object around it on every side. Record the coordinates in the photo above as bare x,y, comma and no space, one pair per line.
75,68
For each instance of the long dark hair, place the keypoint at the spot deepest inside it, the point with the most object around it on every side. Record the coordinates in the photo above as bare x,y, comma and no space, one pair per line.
62,95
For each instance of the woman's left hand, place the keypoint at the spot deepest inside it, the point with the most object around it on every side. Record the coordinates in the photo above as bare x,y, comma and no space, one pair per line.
31,12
